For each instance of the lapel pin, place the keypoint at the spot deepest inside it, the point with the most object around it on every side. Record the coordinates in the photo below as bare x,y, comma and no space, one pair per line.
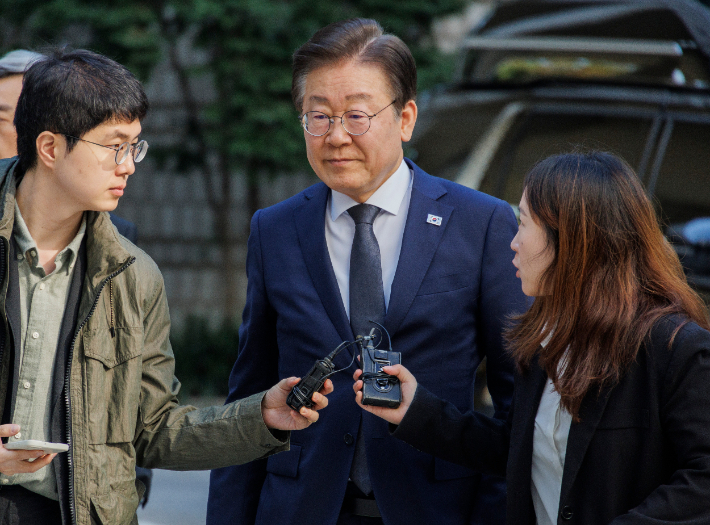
433,219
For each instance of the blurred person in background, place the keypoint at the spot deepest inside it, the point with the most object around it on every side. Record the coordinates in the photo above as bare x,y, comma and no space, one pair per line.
610,418
85,356
377,240
12,67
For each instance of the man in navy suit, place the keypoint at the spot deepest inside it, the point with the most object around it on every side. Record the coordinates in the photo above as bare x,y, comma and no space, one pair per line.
444,286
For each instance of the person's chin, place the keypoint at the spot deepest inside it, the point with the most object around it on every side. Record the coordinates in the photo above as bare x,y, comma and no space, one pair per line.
108,205
344,180
352,190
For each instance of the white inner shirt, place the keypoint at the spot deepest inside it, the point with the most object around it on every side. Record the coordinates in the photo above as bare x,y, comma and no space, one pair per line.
552,424
393,198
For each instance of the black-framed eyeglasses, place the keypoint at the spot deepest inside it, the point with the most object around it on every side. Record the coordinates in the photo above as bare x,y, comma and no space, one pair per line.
355,122
137,150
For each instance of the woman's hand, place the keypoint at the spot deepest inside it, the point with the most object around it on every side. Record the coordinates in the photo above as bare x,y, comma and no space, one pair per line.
278,415
408,385
20,461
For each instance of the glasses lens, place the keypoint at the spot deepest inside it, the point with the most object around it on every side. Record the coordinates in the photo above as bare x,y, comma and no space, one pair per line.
316,123
356,122
139,151
122,153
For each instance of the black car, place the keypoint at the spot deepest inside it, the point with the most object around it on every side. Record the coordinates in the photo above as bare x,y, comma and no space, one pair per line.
539,77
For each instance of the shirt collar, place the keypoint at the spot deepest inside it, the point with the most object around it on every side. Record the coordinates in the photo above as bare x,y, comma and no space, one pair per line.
21,233
388,197
26,243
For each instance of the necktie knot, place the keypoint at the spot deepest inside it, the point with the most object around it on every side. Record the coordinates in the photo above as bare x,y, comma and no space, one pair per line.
364,213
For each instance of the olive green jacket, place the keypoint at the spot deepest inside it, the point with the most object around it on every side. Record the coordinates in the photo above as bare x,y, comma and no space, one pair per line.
120,391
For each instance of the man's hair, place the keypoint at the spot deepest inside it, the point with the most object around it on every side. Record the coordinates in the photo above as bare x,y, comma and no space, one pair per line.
72,92
17,62
362,40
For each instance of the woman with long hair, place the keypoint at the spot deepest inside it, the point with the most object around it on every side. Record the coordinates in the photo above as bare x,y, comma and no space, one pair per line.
610,421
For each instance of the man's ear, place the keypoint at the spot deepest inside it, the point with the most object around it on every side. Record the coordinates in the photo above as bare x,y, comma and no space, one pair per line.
49,147
407,120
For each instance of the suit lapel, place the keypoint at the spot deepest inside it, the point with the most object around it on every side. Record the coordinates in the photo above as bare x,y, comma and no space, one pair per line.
419,244
580,435
310,220
529,387
528,392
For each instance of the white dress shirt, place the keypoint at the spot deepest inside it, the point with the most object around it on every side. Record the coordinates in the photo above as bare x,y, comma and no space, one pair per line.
393,198
552,424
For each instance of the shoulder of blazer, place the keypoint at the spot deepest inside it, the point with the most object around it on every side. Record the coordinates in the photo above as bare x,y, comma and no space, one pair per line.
284,209
452,193
670,331
673,341
684,329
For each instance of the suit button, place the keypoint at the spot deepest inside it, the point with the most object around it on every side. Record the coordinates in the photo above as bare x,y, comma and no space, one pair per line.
348,438
567,512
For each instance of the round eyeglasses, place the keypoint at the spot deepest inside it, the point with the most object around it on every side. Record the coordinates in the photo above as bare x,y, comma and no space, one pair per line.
355,122
137,150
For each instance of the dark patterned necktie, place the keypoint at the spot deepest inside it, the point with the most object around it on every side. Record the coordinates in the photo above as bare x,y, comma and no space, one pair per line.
367,298
367,303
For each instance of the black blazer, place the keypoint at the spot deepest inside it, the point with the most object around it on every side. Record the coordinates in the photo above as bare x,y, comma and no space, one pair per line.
641,453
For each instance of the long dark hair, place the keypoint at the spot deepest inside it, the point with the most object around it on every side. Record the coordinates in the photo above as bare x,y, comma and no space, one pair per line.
612,277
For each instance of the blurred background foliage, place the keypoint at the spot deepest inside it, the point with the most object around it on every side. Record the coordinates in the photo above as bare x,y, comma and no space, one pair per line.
248,44
249,127
204,356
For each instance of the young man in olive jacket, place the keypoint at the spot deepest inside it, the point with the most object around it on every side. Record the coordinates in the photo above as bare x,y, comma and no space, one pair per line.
85,357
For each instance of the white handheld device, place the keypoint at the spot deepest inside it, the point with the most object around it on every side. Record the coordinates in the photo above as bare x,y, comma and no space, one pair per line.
33,444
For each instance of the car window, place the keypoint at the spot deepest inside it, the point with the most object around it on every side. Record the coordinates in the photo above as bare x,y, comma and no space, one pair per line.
681,195
682,191
444,143
539,135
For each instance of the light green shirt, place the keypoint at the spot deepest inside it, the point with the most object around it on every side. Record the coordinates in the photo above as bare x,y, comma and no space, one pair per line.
42,301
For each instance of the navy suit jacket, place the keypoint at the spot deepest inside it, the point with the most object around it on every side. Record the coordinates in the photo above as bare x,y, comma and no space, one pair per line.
453,289
125,228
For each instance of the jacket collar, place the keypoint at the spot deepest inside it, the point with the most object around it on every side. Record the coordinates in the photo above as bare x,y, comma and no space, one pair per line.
419,244
529,388
581,434
8,183
309,217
